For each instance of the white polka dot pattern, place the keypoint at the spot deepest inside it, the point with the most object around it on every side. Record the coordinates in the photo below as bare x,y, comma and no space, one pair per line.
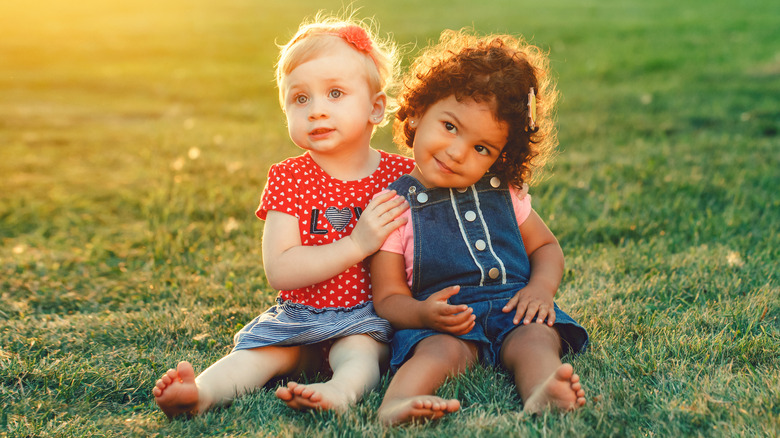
327,210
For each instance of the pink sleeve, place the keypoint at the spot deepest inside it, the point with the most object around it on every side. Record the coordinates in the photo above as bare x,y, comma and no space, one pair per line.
521,202
401,241
279,192
395,241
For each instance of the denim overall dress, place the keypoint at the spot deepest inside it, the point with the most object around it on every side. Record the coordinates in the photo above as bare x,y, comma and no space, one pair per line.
470,237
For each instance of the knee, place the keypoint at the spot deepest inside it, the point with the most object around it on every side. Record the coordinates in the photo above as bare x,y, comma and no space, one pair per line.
359,346
359,343
449,350
526,339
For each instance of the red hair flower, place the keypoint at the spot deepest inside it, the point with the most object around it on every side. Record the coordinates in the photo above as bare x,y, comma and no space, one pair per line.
356,36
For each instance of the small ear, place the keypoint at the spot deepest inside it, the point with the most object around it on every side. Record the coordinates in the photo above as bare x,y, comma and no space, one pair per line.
379,104
413,121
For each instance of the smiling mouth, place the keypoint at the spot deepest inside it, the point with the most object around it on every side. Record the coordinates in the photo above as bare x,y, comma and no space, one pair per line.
444,168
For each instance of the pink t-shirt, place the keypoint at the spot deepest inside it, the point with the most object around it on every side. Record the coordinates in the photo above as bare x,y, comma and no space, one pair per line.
401,241
327,210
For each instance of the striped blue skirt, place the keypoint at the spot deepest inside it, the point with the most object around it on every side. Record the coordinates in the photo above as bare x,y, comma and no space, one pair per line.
289,323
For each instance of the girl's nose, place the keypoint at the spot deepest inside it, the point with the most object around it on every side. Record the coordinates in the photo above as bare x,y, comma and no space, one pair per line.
457,151
317,110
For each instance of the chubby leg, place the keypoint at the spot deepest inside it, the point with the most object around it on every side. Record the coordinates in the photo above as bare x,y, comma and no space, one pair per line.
410,394
532,354
180,392
355,361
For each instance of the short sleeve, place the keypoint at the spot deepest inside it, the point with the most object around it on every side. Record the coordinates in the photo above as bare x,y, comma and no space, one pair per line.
401,241
521,202
279,193
394,242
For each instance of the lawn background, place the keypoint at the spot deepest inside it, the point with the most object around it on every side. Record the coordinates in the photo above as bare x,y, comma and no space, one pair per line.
134,142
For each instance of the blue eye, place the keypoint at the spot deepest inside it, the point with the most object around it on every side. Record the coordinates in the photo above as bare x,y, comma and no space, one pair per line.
301,99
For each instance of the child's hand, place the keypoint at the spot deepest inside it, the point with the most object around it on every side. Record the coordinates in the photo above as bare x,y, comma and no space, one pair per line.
377,221
530,302
447,318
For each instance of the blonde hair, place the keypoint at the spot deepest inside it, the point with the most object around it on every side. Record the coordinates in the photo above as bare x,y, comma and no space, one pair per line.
324,31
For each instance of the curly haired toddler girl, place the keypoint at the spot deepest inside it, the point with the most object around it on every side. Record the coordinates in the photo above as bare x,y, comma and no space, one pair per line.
472,274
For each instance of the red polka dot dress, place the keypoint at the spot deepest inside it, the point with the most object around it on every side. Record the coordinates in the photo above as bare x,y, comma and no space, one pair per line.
327,210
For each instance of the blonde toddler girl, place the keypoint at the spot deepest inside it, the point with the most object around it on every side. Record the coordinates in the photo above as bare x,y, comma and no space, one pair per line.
319,227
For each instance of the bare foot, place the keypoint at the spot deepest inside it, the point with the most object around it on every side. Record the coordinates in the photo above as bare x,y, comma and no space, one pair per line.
325,396
176,392
423,407
562,391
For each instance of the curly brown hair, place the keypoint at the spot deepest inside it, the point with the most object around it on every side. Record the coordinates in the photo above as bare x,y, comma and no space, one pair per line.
499,70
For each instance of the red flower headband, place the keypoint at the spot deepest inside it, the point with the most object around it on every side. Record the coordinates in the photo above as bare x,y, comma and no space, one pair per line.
357,36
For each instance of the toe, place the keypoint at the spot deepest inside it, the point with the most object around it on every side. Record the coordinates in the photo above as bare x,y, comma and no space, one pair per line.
172,374
185,372
283,393
297,389
565,371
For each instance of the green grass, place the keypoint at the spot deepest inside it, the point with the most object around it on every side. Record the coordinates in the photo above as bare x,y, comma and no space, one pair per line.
124,250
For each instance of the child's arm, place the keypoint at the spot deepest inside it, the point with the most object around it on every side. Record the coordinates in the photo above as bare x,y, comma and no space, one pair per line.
290,265
546,259
393,300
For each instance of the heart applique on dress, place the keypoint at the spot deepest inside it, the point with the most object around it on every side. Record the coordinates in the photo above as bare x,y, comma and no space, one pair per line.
338,218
